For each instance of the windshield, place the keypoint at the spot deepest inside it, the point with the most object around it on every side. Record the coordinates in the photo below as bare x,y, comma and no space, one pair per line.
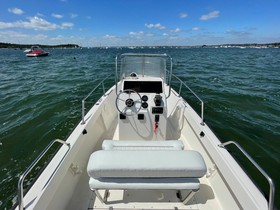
144,66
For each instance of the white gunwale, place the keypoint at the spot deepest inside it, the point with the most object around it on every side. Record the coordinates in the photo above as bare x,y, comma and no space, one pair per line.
64,183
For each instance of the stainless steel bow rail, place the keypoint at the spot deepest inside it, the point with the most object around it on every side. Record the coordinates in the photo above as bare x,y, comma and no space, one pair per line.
84,100
197,97
22,177
270,181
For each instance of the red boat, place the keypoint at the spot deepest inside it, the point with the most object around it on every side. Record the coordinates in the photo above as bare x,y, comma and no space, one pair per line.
36,52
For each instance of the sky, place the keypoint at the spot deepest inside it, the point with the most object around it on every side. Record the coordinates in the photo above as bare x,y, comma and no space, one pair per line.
91,23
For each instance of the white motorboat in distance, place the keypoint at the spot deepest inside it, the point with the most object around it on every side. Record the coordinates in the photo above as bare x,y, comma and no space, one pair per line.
36,51
27,50
142,146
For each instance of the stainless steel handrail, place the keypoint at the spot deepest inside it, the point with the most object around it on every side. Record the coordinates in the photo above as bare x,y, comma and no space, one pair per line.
270,181
202,103
84,100
22,177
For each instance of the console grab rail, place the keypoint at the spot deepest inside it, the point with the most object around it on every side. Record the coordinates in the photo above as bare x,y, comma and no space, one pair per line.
22,177
270,181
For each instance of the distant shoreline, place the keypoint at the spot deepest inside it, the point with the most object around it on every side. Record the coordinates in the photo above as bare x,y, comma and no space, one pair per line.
24,46
63,46
254,45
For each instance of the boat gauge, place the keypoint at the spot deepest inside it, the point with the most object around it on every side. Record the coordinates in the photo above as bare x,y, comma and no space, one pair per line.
157,100
145,105
144,98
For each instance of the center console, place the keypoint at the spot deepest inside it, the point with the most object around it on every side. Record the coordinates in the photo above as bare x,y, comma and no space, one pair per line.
146,118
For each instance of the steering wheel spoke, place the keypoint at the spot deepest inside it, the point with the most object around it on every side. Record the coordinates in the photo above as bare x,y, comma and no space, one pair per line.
122,100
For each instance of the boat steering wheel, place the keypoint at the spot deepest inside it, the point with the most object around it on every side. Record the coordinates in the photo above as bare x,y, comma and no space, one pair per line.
128,102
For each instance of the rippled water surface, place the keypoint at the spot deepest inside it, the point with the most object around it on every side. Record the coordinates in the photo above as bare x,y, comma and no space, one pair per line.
41,101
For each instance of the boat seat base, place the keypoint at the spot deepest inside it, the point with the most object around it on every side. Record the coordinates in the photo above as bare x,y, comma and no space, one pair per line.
178,184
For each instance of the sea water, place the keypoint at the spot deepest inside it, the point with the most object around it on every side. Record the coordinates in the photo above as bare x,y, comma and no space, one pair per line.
40,100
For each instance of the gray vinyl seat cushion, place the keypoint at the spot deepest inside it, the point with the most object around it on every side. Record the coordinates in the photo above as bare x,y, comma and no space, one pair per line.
145,170
146,164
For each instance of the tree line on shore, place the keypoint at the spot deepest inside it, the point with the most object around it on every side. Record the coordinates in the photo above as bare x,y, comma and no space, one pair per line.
23,46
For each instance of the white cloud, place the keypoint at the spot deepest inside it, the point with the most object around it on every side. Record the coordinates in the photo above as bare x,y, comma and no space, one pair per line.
238,33
18,37
210,15
176,30
139,33
72,15
6,25
67,25
40,37
57,38
150,34
195,29
183,15
107,36
156,26
16,11
58,16
9,34
35,23
40,14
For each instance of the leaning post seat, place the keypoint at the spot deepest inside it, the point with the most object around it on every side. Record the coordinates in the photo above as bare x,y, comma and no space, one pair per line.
146,169
142,145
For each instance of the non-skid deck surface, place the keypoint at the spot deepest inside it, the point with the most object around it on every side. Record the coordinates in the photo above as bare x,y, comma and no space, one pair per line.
142,199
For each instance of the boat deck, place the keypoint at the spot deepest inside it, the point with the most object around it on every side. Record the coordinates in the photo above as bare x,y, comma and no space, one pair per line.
156,199
204,199
144,199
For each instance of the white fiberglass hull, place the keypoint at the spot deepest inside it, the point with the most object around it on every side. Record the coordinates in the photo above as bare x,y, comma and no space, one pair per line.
68,187
64,184
37,55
